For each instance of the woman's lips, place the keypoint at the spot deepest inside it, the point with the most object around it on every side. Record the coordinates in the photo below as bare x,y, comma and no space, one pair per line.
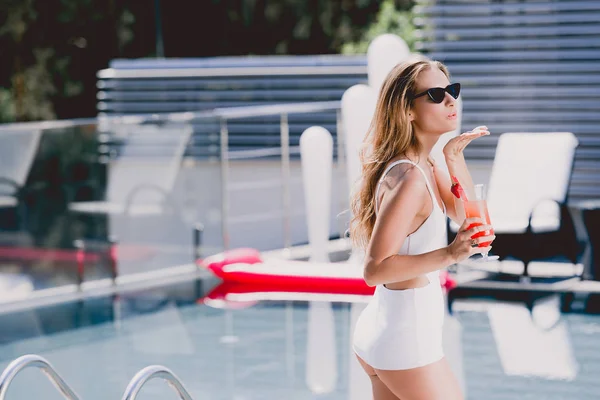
452,116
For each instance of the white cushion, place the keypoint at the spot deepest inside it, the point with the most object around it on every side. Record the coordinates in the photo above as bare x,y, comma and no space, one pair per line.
102,207
529,169
8,201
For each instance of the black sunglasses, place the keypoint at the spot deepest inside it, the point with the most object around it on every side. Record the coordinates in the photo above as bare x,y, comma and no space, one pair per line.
437,94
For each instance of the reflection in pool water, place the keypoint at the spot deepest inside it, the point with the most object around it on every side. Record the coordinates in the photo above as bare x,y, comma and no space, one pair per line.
286,349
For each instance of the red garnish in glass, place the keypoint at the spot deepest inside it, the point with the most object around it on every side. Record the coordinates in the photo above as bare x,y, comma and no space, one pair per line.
457,190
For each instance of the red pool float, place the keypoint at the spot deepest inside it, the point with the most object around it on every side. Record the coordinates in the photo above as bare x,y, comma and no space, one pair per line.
245,266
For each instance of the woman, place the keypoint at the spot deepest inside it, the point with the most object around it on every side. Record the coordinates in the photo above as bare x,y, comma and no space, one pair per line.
400,215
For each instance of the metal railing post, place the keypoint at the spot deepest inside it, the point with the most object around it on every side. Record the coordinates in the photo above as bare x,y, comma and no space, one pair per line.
341,164
285,180
224,137
80,257
113,258
198,231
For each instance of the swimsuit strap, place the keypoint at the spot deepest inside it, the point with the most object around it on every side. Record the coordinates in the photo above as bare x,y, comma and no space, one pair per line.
388,169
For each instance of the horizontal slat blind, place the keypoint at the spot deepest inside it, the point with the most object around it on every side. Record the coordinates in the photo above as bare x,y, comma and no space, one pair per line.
525,66
162,86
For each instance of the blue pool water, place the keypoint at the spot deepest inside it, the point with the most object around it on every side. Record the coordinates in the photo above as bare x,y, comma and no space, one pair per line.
285,349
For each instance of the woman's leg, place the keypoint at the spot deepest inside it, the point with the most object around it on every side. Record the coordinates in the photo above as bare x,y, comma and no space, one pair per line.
432,382
380,391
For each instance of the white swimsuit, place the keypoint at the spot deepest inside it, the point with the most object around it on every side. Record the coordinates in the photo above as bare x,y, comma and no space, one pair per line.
402,329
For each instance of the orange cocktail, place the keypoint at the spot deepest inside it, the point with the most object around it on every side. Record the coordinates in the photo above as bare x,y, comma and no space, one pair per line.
474,206
478,209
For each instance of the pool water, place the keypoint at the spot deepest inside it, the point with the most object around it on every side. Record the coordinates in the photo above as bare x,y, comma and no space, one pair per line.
286,349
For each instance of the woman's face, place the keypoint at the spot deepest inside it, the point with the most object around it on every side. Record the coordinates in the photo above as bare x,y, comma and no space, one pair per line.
427,116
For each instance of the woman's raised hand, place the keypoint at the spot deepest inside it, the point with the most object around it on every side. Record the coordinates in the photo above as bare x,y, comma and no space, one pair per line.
457,144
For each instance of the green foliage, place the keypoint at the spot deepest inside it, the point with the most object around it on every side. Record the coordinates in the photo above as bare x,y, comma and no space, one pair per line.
7,106
52,49
389,19
19,14
36,89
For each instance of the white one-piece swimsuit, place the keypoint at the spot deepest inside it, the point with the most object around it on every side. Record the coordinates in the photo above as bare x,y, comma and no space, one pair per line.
402,329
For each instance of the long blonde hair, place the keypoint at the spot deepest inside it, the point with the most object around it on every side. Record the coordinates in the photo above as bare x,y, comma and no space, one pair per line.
390,134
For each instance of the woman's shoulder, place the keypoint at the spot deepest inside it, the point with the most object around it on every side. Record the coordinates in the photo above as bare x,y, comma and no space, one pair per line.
402,172
401,181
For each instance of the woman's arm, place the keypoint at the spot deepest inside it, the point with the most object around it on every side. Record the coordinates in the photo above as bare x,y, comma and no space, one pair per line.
395,221
444,183
457,166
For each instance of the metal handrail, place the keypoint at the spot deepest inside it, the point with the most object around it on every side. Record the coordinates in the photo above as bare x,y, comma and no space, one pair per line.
186,116
226,112
223,115
112,73
276,109
151,372
32,360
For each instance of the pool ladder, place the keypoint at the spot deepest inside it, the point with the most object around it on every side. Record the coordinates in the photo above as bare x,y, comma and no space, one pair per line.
131,393
154,371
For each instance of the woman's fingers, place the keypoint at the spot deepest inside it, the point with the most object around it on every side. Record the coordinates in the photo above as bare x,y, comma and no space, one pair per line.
477,229
468,137
457,144
474,134
484,239
469,221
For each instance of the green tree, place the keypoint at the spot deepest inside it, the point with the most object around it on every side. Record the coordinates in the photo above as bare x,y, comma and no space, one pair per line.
390,19
53,50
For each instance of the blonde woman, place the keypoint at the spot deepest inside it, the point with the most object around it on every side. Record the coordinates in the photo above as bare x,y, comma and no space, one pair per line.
400,213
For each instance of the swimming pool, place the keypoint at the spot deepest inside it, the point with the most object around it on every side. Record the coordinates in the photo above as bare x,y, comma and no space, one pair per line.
284,349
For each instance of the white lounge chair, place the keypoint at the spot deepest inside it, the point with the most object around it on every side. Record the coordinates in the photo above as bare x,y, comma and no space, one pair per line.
140,203
142,174
17,152
527,196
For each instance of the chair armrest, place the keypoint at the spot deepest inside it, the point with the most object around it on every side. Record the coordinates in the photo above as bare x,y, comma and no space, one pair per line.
560,204
21,192
166,197
13,184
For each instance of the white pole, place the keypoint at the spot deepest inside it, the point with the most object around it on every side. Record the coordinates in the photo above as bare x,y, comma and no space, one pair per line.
358,108
384,53
316,151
